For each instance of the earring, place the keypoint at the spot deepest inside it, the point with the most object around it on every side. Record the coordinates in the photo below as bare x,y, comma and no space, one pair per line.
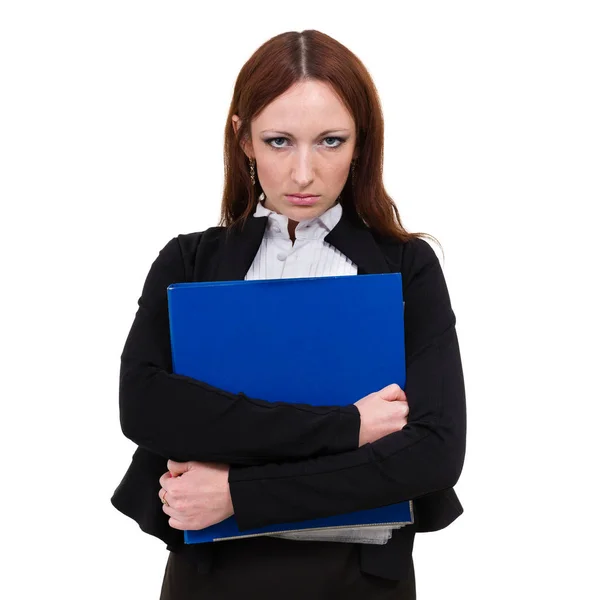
252,177
353,171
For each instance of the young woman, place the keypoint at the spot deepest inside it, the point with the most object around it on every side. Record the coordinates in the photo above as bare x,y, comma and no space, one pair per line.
303,196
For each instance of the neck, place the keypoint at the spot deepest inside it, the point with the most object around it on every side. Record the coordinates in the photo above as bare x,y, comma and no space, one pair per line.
292,229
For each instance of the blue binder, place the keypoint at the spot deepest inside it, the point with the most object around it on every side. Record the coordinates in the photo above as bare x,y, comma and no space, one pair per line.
324,340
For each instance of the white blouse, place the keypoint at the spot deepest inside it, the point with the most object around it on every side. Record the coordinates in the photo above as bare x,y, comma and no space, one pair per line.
308,256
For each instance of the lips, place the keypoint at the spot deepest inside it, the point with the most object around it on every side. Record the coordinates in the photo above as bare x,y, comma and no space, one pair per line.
302,200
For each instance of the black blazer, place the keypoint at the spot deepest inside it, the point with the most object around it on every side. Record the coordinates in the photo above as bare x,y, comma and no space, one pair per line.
291,462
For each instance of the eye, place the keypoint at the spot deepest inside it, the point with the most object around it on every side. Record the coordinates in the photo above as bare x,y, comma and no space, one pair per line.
335,139
276,139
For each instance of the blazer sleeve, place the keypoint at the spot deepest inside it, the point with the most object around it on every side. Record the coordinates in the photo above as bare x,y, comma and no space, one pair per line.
182,418
426,456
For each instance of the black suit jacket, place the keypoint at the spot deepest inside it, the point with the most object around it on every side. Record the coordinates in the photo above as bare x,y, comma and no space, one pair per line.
291,462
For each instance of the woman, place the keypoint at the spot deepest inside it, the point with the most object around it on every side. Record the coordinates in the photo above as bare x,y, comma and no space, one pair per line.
304,120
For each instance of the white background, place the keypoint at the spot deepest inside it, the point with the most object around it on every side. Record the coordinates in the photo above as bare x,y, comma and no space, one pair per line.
111,128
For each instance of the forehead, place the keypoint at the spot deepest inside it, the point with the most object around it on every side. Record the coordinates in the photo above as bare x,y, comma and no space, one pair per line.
306,106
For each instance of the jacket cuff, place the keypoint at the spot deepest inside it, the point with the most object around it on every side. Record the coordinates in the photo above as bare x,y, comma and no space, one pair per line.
349,429
249,504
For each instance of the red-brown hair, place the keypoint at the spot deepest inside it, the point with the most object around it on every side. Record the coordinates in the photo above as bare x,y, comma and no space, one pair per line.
274,67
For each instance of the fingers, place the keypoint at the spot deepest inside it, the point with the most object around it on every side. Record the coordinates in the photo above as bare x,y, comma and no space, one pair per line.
177,468
164,478
170,510
166,492
174,520
393,392
175,524
162,493
175,517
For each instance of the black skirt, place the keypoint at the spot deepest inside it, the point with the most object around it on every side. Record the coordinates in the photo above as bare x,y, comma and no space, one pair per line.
268,568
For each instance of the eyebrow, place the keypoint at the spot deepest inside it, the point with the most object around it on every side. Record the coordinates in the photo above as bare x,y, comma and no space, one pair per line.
320,134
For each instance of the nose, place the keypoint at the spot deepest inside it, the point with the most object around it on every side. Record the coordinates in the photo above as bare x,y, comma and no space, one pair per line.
302,169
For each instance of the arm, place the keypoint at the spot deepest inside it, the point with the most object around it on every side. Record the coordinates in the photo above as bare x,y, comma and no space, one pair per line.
185,419
425,456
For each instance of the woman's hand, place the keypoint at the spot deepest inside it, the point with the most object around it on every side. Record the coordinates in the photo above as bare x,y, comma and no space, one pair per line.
382,413
197,494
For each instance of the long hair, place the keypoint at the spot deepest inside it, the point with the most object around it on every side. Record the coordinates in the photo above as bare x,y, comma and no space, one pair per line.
274,67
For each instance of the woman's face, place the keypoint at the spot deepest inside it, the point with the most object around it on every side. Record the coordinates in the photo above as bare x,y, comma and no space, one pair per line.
303,143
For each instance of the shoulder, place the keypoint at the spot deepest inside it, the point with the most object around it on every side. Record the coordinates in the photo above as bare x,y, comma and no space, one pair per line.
197,251
184,244
190,243
418,254
182,252
408,257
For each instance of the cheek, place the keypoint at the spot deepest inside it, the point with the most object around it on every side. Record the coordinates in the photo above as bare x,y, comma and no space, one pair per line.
270,171
338,172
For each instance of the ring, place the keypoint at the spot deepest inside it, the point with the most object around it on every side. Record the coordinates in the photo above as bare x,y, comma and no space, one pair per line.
164,501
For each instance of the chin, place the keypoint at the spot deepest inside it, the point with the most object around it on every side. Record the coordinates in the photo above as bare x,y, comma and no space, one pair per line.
301,213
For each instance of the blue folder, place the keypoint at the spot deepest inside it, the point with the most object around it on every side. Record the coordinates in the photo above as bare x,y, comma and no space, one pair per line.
310,340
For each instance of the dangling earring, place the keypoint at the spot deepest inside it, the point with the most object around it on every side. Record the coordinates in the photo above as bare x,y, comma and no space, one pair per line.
252,177
353,171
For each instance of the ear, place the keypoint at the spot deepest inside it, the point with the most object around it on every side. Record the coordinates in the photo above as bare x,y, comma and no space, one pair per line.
246,144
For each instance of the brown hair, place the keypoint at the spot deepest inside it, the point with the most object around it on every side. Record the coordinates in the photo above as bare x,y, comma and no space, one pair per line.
274,67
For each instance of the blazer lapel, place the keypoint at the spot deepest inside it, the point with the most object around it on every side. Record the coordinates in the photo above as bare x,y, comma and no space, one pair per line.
240,248
351,237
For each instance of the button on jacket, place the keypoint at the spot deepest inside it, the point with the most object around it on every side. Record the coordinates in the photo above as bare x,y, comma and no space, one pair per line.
283,452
